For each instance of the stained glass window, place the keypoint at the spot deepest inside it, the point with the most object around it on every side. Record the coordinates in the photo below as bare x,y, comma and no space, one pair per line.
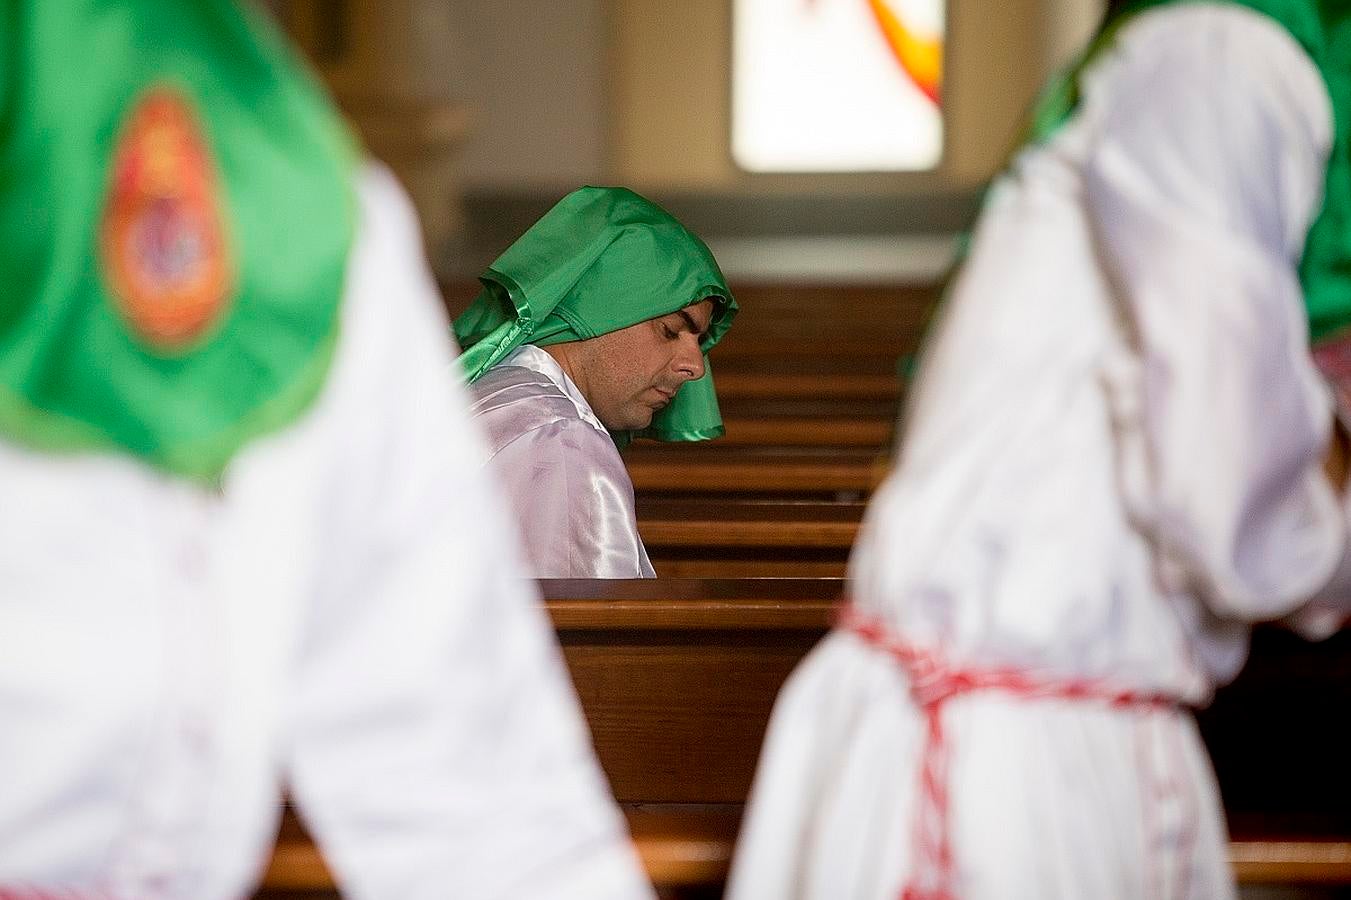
837,85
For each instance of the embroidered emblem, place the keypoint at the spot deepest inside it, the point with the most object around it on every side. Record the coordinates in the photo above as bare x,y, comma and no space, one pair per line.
162,239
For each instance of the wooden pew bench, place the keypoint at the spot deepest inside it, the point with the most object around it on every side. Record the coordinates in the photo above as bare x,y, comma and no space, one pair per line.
802,472
788,431
734,386
687,852
733,537
677,678
807,421
674,650
777,524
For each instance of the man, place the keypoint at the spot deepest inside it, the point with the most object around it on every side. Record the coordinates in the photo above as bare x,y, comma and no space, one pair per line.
242,536
1111,464
593,328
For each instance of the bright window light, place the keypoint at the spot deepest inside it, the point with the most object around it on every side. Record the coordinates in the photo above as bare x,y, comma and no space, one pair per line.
837,85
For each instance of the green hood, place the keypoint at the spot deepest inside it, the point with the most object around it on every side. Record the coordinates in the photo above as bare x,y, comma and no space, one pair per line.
602,259
176,208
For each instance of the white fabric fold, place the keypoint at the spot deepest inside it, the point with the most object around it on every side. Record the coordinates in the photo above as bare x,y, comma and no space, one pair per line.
1109,465
1200,244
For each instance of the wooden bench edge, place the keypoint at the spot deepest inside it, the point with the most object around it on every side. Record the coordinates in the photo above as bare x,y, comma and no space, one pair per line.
679,860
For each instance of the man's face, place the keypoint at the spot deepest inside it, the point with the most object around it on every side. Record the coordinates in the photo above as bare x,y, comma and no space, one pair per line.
628,375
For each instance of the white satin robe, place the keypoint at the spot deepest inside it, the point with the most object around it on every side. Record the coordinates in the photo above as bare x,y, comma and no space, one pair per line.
560,468
347,616
1109,467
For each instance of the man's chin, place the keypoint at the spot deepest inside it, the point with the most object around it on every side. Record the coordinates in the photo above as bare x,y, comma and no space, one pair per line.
636,421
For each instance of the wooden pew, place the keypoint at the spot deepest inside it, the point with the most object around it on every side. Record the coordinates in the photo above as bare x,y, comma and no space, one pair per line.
787,431
803,472
730,537
670,650
841,386
790,451
687,852
782,525
858,325
677,679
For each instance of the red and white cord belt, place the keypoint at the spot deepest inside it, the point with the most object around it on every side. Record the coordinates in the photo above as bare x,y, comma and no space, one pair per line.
933,682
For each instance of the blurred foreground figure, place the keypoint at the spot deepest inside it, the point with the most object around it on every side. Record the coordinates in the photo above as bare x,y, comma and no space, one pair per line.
1111,464
242,534
592,329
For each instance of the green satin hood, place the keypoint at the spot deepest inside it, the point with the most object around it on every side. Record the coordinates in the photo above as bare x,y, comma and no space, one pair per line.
176,208
602,259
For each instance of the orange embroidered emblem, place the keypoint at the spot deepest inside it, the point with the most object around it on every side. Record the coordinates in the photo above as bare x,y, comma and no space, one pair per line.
162,239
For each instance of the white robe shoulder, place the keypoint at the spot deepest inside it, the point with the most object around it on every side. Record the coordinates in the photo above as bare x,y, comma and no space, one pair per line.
562,472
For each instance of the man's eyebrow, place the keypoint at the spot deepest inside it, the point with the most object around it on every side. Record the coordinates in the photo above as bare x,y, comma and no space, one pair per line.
693,325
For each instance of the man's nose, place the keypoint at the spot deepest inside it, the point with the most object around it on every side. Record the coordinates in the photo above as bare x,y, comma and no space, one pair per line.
690,360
